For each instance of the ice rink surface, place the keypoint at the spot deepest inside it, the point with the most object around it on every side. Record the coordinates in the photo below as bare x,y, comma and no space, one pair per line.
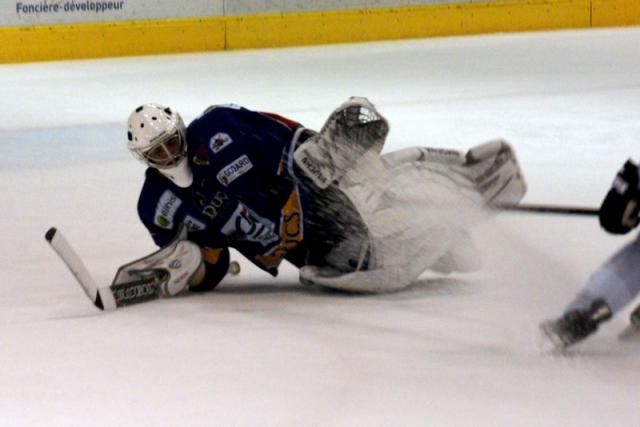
457,350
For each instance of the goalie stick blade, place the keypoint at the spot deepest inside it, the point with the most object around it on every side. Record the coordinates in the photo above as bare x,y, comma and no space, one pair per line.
101,297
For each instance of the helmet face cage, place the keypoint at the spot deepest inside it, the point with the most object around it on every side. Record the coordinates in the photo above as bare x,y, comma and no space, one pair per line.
157,136
165,151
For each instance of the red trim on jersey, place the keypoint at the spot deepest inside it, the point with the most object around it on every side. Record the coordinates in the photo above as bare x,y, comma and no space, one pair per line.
291,124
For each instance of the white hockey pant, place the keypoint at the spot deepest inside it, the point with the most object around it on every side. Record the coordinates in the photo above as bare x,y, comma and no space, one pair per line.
617,281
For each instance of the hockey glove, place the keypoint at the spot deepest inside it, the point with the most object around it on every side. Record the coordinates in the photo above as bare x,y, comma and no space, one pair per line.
352,130
621,206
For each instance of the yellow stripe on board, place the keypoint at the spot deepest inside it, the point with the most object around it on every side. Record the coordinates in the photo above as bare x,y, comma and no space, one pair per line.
610,13
95,40
56,42
403,23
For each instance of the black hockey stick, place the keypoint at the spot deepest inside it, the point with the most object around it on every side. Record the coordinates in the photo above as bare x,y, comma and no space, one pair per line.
102,297
551,209
106,297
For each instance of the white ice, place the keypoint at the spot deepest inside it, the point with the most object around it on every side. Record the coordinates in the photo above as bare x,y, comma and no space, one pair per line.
458,350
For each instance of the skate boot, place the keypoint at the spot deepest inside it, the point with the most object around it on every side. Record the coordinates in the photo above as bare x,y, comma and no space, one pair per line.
634,317
576,325
632,331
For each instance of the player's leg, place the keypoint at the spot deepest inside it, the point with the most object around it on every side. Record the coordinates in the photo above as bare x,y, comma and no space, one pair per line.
609,290
617,282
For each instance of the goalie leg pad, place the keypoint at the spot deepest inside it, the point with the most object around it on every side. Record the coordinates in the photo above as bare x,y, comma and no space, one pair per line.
416,204
368,281
423,154
463,256
495,170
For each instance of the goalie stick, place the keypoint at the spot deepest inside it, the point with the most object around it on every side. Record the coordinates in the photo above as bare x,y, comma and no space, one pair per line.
102,297
144,288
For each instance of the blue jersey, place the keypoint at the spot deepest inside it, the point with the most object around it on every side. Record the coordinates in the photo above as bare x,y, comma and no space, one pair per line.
243,194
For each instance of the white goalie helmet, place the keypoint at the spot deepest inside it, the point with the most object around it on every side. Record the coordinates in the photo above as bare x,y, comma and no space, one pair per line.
157,137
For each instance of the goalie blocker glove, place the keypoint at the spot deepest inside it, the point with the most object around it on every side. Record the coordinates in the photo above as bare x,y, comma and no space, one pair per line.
620,208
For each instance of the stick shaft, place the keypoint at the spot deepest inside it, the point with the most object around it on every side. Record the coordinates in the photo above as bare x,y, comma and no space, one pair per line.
101,298
551,209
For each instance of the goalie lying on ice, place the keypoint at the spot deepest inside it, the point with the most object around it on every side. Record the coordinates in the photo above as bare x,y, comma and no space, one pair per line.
329,202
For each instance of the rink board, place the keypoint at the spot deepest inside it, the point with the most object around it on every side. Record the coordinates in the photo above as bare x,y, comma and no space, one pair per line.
164,36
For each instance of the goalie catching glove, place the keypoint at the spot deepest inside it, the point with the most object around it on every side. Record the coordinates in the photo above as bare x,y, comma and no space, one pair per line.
352,130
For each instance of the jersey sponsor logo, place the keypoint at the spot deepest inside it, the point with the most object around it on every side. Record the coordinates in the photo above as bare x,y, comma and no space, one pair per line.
233,170
219,142
193,224
291,232
211,208
200,157
247,226
166,209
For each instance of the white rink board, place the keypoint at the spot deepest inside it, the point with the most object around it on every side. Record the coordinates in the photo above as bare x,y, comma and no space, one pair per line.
33,12
42,12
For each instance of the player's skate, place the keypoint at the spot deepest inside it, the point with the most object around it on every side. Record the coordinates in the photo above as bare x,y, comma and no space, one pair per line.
576,325
632,331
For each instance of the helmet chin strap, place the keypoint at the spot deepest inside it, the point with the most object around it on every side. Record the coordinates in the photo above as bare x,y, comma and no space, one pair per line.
180,174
